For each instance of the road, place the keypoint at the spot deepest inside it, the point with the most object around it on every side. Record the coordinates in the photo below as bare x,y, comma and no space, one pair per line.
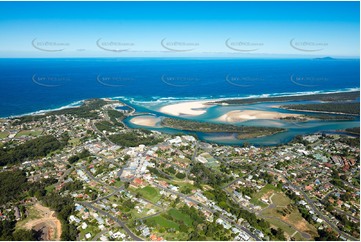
98,131
118,221
347,214
210,210
109,195
323,217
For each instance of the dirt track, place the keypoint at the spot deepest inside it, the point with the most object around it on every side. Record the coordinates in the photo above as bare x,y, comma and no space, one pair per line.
48,223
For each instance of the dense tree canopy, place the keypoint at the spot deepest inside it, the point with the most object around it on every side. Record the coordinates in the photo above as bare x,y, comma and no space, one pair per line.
31,149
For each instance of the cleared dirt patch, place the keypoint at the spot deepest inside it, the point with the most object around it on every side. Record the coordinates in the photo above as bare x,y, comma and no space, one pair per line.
46,221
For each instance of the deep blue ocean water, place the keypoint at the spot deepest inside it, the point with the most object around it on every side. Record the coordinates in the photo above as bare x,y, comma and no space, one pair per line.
30,85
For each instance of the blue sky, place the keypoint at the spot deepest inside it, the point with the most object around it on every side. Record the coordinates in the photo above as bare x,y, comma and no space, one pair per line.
235,29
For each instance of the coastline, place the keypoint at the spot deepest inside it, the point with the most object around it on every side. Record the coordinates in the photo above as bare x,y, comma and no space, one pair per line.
173,100
313,111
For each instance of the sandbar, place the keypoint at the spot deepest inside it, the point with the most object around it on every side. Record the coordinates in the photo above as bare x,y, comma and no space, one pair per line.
193,108
244,115
149,121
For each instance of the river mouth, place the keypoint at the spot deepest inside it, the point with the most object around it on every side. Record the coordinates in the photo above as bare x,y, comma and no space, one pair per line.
260,115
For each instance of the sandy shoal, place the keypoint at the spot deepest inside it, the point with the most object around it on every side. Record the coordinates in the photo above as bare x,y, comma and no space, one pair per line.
145,121
244,115
193,108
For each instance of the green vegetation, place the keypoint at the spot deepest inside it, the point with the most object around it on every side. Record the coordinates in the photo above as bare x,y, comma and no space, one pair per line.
205,175
327,236
344,108
243,132
286,213
224,202
13,187
162,222
86,110
343,96
29,133
82,155
8,232
105,126
353,142
64,207
31,149
72,186
134,138
12,184
27,119
355,130
177,215
4,135
115,116
150,193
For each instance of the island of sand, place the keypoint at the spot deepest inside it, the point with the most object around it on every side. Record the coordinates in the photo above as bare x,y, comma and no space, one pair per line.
245,115
193,108
148,121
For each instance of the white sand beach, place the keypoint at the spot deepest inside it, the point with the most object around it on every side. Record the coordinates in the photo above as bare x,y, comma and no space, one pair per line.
244,115
149,121
193,108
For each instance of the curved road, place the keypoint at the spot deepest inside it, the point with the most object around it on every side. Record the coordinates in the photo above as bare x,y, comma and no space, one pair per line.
323,217
118,221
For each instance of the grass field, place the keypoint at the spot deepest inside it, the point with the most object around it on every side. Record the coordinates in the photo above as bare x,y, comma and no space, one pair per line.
256,198
258,202
118,183
266,189
75,141
279,199
181,216
29,133
288,229
150,193
295,219
4,135
163,222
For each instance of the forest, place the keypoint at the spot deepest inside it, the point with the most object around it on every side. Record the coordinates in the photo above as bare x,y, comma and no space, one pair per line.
31,149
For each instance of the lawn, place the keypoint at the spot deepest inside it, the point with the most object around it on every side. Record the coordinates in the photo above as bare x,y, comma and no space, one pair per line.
279,199
258,202
294,218
289,230
118,183
266,189
150,193
75,141
29,133
176,214
256,198
4,135
163,222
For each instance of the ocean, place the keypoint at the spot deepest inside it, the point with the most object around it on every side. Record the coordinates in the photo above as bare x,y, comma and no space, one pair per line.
31,85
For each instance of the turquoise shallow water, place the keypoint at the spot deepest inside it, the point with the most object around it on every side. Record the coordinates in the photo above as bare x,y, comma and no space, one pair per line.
292,128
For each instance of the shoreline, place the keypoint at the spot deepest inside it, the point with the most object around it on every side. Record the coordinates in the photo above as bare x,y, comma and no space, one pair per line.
314,111
172,100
